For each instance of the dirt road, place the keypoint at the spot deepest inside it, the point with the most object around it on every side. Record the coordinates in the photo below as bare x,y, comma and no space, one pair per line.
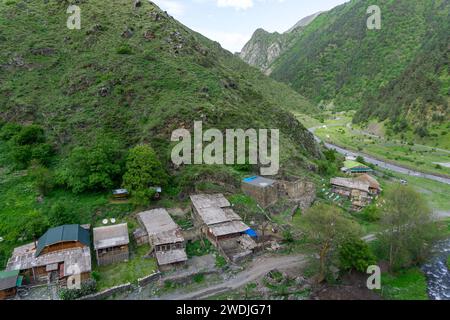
258,268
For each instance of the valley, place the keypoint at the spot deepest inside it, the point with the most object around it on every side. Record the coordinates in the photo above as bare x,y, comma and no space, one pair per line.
90,121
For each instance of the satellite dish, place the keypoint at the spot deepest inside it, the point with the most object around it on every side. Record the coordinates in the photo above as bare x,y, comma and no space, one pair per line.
112,220
105,221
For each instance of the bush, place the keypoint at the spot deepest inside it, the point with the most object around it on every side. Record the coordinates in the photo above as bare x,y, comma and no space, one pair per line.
355,254
288,237
42,177
9,130
26,144
221,262
371,214
198,248
87,288
30,135
124,50
143,171
59,214
92,168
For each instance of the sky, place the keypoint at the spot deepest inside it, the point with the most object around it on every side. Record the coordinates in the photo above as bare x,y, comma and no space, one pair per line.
232,22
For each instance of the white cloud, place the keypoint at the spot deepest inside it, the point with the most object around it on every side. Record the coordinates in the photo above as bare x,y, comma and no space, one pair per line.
232,41
241,4
237,4
174,8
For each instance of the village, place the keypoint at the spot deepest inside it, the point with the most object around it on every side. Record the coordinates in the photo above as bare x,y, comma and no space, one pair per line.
65,252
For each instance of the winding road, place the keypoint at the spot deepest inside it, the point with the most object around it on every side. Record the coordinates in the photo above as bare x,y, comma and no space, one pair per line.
380,163
258,268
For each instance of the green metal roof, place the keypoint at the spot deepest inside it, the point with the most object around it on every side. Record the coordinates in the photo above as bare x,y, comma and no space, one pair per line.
8,279
73,232
9,274
354,164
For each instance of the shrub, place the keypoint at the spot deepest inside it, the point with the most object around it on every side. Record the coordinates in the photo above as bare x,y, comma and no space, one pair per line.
30,135
125,49
59,214
355,254
42,177
143,170
92,168
371,213
26,144
87,288
9,130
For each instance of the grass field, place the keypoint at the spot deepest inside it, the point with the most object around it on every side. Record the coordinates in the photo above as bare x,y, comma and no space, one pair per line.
407,285
405,149
137,267
434,192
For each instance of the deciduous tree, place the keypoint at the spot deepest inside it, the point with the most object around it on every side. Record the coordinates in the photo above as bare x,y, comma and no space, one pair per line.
409,228
327,226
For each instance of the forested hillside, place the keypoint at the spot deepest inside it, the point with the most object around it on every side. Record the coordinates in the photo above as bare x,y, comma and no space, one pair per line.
401,69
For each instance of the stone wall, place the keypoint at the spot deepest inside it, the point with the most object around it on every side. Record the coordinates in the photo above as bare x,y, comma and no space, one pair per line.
265,196
304,192
108,292
149,279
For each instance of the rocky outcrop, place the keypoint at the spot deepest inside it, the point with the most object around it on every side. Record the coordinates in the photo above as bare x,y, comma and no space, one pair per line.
264,47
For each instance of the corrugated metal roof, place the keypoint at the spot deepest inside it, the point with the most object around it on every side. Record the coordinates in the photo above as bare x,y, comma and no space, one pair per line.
73,232
260,182
351,184
160,226
8,279
209,200
111,236
171,256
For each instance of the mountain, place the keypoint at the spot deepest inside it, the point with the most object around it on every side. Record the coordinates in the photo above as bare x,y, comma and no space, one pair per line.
305,21
398,71
134,73
421,93
265,47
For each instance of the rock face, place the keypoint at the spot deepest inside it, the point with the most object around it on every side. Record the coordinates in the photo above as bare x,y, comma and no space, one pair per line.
265,47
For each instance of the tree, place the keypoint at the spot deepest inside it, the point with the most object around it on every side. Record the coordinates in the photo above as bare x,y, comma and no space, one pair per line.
327,226
59,215
26,143
355,254
35,225
42,177
143,170
92,168
409,228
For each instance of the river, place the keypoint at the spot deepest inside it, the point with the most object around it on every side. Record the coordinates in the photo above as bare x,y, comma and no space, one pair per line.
437,272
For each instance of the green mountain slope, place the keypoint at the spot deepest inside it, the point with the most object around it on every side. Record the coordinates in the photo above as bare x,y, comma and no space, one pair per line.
423,88
337,58
132,73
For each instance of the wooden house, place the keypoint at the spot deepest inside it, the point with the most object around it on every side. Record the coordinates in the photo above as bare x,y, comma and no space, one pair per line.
61,252
357,191
111,244
354,167
9,281
374,185
221,225
165,238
